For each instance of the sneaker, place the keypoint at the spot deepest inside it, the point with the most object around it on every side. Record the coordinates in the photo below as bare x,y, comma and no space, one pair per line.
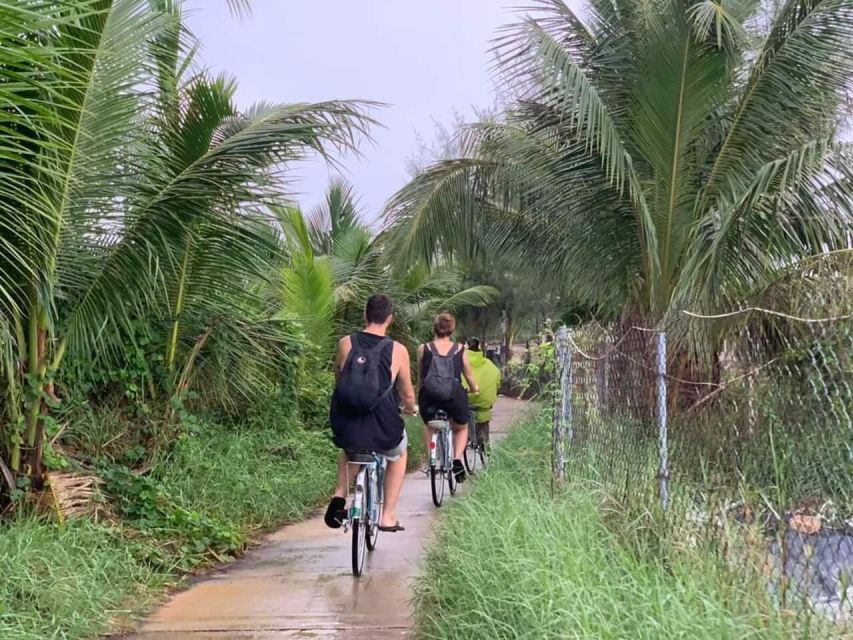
459,471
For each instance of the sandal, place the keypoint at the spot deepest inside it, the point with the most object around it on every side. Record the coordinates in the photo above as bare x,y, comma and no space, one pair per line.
393,529
336,513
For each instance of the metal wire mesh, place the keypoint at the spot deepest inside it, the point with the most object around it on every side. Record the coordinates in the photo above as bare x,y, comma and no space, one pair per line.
744,455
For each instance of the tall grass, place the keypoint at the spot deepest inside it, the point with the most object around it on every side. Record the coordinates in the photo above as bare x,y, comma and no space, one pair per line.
251,476
417,446
83,579
73,581
512,561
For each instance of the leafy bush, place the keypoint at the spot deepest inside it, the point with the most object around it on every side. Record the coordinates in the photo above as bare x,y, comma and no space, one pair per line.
313,397
185,538
531,378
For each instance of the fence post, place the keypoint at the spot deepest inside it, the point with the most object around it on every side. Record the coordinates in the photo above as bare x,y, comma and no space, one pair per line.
663,456
562,428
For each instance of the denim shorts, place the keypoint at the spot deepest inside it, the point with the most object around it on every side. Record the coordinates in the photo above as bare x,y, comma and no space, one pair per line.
392,455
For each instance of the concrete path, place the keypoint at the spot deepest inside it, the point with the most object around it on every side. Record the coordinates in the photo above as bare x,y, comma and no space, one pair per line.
298,583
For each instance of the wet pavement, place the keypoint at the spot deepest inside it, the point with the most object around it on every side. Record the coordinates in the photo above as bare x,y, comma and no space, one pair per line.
298,583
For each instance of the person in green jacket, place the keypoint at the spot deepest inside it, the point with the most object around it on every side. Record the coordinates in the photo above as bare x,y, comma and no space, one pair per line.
488,377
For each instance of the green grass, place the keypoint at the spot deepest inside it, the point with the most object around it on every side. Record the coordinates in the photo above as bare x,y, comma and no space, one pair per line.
417,447
251,477
71,581
511,561
205,500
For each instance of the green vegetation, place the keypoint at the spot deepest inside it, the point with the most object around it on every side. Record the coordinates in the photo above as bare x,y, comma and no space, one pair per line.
218,488
168,313
417,446
513,561
70,582
648,157
253,474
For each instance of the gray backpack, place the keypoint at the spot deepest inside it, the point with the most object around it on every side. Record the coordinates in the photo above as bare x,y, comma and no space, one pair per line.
440,378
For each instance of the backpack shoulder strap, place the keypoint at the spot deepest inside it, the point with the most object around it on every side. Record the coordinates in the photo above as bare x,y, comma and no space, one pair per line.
430,346
453,350
383,343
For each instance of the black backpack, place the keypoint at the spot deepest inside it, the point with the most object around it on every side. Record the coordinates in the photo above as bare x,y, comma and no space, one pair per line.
440,379
360,390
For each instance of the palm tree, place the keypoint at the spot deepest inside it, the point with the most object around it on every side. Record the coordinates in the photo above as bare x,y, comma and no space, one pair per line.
131,193
336,263
659,155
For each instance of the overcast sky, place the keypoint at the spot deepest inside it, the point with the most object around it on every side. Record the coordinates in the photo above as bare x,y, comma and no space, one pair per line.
424,58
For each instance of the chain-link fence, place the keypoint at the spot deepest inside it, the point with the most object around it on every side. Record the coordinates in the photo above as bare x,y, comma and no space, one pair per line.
741,454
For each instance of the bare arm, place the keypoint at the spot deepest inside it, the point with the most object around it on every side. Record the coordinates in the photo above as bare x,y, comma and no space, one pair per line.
404,380
344,346
469,373
420,354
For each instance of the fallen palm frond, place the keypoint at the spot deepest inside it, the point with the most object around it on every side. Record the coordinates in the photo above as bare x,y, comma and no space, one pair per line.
74,496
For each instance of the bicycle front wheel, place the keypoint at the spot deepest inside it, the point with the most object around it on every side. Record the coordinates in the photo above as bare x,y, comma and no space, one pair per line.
470,458
470,455
359,545
483,453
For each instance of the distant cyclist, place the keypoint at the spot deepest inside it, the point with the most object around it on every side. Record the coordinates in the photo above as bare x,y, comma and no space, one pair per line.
373,375
488,377
441,365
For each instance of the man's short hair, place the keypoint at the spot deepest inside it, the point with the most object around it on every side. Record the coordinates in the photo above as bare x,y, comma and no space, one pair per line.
444,325
474,344
378,309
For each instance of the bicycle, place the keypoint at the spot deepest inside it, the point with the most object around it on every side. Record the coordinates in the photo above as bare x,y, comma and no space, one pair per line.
365,510
441,457
476,448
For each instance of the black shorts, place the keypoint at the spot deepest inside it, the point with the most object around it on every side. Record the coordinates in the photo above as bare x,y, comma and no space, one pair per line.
456,408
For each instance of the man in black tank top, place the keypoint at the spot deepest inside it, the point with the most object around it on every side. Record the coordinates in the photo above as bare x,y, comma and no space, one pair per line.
379,427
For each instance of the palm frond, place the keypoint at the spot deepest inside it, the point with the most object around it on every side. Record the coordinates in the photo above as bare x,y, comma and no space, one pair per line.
338,215
199,189
808,56
308,297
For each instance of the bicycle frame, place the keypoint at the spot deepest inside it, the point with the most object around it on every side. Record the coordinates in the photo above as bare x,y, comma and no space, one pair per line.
369,474
445,433
364,513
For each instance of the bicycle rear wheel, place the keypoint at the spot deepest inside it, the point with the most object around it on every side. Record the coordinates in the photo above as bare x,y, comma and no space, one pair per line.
470,458
482,453
436,473
373,523
451,477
